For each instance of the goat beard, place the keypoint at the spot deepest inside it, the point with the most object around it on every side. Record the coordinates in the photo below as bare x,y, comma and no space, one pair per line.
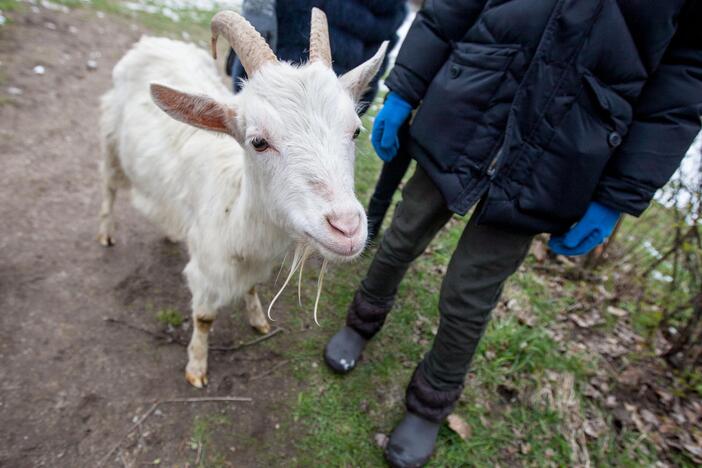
300,256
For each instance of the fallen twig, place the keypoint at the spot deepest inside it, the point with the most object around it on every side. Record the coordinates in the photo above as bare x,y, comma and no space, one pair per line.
248,343
134,426
153,407
199,453
205,399
123,460
269,371
158,335
169,339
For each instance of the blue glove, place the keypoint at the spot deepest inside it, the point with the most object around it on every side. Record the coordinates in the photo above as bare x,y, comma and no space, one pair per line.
391,117
592,229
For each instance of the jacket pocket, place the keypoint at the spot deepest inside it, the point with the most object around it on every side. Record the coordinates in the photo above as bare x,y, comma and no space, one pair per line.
457,99
614,110
566,170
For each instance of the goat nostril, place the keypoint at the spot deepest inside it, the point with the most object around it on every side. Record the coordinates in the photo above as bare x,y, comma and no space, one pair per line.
348,225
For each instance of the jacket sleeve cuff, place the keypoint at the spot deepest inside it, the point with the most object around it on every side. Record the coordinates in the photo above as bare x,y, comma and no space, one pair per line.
623,195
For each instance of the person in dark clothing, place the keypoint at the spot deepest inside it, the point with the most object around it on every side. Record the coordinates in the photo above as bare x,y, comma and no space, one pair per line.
357,28
555,116
391,174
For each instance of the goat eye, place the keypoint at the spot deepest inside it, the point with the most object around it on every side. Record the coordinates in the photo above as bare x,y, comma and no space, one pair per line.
356,133
259,144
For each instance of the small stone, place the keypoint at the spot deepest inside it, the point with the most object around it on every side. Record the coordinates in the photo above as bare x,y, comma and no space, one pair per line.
91,65
381,440
158,412
72,30
100,14
39,70
50,25
14,91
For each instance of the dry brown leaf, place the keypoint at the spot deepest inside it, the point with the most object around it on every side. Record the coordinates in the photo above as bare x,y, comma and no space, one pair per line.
616,311
539,251
459,426
591,392
695,451
604,292
590,430
631,376
586,321
649,417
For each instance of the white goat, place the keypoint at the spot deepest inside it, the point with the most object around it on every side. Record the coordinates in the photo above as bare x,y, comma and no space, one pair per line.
285,179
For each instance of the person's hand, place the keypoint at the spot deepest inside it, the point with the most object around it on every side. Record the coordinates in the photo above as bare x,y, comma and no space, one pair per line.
387,124
594,227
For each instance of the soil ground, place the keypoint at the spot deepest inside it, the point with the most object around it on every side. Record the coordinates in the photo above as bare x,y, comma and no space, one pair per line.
71,383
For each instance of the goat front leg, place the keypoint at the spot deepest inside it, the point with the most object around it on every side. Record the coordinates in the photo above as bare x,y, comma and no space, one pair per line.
109,192
254,312
196,370
111,177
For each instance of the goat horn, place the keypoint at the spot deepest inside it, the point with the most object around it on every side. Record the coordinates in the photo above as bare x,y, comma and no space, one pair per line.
320,51
249,45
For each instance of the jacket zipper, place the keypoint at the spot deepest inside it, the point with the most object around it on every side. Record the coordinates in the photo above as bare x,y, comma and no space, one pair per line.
492,168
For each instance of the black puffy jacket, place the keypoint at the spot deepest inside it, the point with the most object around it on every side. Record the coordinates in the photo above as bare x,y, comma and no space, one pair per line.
357,28
539,107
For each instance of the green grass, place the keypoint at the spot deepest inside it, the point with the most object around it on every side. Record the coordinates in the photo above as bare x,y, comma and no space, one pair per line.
201,441
170,317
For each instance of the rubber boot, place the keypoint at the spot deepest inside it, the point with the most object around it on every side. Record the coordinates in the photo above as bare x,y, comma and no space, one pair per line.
363,321
412,442
344,350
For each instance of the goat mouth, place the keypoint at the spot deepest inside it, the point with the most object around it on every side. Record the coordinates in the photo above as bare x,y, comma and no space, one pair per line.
351,252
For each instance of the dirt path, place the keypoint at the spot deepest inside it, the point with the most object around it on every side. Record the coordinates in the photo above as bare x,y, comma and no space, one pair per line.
71,383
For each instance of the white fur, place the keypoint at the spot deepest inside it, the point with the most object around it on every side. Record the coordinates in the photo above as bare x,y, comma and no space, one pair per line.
238,210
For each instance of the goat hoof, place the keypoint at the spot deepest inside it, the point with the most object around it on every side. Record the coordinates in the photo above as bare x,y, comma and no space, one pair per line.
105,240
263,329
197,381
170,240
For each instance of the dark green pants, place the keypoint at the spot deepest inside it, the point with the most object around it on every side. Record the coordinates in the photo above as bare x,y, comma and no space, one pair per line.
484,258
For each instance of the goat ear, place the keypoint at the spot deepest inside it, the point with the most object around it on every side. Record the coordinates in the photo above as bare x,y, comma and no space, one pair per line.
197,110
356,81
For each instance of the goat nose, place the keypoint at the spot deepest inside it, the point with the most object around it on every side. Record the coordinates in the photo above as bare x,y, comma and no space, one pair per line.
347,223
